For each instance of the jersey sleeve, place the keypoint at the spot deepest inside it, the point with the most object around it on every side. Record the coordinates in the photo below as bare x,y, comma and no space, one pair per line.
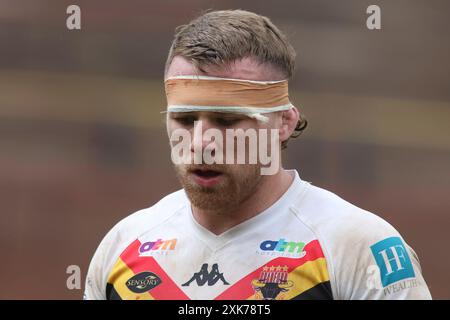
373,262
95,286
101,263
108,251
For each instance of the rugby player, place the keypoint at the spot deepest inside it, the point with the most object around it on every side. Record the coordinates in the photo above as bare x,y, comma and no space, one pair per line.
232,232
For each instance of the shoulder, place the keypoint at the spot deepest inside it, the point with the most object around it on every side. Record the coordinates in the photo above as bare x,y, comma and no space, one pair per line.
123,234
337,220
146,219
358,244
153,215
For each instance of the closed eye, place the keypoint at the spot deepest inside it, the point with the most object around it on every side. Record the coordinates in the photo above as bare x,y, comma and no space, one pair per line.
227,121
185,120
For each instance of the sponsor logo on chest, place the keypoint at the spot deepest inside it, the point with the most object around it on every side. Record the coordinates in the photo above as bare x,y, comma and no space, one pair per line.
282,248
158,247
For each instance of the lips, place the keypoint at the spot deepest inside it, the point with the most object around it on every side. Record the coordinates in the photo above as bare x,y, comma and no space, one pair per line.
207,173
206,177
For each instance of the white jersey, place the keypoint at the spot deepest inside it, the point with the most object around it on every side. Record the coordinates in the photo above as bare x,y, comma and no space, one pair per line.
310,244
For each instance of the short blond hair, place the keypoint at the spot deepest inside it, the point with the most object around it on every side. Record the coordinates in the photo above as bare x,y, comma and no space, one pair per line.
218,38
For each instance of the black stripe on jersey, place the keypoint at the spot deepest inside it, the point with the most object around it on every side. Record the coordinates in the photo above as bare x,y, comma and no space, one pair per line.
321,291
111,293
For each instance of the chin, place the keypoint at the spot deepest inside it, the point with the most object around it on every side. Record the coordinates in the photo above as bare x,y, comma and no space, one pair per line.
210,198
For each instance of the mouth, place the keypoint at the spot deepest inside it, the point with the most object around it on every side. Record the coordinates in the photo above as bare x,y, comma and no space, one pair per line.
206,177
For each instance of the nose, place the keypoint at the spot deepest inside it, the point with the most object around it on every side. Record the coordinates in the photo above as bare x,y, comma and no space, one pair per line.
200,142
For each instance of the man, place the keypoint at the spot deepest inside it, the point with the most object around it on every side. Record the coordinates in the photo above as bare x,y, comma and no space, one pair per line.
236,231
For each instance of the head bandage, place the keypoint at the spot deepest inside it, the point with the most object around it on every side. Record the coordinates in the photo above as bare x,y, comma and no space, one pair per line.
248,97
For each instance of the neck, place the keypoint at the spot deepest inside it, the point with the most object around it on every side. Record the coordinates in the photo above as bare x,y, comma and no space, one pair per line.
268,191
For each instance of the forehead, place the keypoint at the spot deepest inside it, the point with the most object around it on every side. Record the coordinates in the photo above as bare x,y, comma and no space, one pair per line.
207,114
247,69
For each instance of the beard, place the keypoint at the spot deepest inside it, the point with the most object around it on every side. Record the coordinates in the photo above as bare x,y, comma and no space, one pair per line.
237,183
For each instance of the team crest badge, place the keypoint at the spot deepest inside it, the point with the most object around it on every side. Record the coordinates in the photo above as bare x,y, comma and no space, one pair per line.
272,283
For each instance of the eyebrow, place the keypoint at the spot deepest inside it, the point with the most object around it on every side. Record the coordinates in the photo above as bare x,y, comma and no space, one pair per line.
215,114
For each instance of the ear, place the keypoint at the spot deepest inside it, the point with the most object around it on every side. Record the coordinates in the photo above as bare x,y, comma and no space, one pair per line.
289,119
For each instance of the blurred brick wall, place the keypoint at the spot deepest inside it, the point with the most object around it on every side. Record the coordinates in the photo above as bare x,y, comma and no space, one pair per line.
83,143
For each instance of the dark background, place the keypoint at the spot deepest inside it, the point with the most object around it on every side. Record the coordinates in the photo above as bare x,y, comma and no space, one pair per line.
83,143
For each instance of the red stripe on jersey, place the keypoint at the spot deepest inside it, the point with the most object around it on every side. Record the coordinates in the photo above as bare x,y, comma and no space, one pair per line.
243,288
167,290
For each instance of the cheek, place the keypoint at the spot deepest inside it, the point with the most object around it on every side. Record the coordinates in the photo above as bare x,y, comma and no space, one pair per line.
171,126
177,133
170,132
239,172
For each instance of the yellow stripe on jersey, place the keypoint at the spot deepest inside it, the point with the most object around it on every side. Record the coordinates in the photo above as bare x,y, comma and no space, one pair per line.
302,278
119,277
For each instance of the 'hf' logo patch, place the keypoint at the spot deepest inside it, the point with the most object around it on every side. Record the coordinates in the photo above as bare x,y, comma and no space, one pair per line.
393,260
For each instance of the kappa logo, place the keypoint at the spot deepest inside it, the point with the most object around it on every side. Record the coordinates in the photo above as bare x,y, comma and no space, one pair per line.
205,277
272,282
